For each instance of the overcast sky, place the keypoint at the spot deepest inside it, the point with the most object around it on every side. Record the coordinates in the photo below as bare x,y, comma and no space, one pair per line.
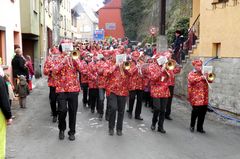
94,4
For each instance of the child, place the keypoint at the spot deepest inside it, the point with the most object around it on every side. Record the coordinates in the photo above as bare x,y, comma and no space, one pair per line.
10,88
11,95
22,91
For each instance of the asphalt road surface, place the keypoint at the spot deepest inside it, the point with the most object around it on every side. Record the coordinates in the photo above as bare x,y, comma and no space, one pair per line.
34,136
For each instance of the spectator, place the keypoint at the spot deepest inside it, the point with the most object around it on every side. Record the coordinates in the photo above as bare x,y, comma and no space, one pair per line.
5,116
29,65
18,66
22,90
177,46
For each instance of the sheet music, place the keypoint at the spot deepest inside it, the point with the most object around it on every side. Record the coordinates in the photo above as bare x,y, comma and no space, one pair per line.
162,60
67,47
100,56
207,69
121,58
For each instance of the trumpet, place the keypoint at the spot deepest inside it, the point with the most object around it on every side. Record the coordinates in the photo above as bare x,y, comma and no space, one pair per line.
75,54
126,65
171,64
211,77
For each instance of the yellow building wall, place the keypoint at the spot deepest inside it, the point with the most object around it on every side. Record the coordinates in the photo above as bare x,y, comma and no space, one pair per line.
195,11
220,25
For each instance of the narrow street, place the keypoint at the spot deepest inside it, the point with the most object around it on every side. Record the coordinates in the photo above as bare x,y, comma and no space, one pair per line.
34,136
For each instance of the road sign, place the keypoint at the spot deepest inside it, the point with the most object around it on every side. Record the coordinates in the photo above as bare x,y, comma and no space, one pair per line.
98,35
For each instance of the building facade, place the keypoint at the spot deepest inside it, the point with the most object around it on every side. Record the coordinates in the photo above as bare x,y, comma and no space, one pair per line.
10,31
87,22
65,20
216,24
110,19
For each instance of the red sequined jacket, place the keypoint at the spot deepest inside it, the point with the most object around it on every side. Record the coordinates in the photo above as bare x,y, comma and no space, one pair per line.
102,80
92,75
136,81
158,81
197,89
117,80
171,79
68,74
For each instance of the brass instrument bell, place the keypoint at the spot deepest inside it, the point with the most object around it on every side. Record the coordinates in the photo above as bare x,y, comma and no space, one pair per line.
126,65
171,64
75,54
211,77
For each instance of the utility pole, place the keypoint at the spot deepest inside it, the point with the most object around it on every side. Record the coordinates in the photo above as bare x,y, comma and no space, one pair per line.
162,44
162,13
56,21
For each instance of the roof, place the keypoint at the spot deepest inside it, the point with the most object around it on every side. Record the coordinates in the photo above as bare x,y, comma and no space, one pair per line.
113,4
79,8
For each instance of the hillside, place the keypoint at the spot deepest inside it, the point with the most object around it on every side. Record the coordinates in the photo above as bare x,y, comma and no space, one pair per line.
139,15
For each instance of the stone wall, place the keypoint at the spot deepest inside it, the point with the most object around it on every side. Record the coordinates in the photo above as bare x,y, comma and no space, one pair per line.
225,92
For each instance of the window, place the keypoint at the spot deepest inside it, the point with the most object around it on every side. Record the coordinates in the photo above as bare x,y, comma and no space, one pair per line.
219,1
216,50
2,46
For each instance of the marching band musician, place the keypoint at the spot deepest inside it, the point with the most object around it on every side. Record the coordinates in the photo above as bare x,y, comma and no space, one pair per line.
84,78
101,65
67,88
48,66
171,83
93,85
159,92
198,95
136,86
118,87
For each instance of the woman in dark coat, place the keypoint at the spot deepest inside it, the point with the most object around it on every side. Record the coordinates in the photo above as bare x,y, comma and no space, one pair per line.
5,116
19,66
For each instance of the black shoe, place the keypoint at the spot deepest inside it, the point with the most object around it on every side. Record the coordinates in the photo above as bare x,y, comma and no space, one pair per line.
61,135
153,127
119,132
92,111
129,115
192,129
84,105
111,132
168,118
201,131
209,110
139,118
71,137
100,117
161,130
54,120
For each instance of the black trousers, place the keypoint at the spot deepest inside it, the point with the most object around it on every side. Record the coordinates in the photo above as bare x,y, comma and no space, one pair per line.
117,104
85,93
93,98
107,113
53,100
148,99
159,107
169,102
101,97
132,95
67,102
198,112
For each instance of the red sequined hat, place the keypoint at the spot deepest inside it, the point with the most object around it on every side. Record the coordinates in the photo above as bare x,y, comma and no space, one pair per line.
197,62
